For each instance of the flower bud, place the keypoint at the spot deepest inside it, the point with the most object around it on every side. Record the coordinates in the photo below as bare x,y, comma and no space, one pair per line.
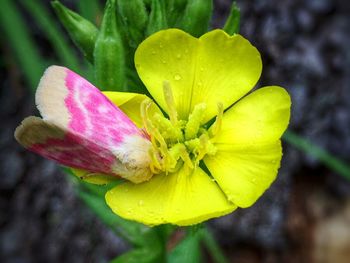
157,20
232,23
197,17
109,58
134,16
81,31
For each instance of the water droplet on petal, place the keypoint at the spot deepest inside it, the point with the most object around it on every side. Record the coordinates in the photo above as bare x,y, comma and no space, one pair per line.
178,56
141,202
163,61
177,77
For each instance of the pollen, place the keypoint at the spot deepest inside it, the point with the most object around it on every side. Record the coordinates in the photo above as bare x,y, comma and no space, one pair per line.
175,142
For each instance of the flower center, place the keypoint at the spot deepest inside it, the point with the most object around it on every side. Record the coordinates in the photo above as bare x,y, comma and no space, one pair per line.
178,142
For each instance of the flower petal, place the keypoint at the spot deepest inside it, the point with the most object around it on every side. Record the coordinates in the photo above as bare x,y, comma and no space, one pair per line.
168,55
130,104
260,117
245,172
180,198
249,148
214,68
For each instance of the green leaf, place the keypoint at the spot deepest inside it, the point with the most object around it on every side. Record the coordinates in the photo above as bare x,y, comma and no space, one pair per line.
233,21
52,32
197,17
21,42
157,20
81,31
109,57
325,157
188,250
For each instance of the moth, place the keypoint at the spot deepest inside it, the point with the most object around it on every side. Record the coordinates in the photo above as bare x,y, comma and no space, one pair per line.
81,128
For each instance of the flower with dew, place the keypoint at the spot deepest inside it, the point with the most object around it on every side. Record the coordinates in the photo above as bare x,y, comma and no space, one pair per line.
214,149
206,150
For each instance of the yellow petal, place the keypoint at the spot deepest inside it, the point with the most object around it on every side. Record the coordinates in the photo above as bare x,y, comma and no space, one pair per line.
93,178
245,172
214,68
260,117
180,198
130,103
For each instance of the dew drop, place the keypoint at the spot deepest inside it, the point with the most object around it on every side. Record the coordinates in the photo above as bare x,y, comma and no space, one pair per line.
163,61
161,45
141,202
178,56
201,69
177,77
154,52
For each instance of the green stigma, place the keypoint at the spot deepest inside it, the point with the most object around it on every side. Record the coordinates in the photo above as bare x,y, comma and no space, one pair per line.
178,142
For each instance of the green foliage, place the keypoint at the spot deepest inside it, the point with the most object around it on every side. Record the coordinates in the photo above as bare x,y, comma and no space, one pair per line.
188,250
51,30
232,23
22,44
157,19
109,58
196,17
81,31
135,17
91,12
174,11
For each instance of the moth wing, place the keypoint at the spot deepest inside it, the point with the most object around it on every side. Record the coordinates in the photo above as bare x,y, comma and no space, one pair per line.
82,128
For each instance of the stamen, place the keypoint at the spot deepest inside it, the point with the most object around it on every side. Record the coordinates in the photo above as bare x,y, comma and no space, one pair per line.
216,127
168,131
169,99
194,121
178,143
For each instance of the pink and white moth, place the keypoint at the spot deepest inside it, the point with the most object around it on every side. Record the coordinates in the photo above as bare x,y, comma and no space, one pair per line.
81,128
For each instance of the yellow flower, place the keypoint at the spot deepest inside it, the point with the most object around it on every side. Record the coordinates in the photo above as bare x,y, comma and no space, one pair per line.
194,81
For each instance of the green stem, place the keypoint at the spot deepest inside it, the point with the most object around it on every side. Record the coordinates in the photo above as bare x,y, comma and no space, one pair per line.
213,247
325,157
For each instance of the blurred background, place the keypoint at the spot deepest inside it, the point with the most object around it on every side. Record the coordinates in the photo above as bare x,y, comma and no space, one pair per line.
303,217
